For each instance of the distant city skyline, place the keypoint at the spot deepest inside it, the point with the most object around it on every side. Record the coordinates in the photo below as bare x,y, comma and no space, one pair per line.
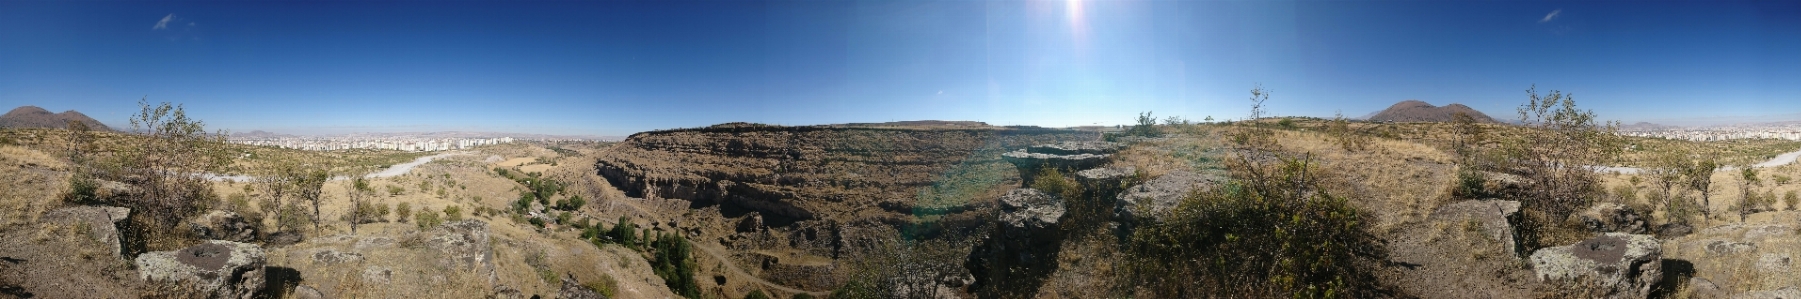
612,68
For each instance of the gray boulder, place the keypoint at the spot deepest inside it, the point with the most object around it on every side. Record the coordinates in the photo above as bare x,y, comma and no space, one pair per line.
1104,183
1493,216
1030,164
102,222
306,292
284,238
575,290
1027,209
336,257
1773,263
1152,200
222,269
1619,265
463,245
223,225
1723,247
1610,217
506,292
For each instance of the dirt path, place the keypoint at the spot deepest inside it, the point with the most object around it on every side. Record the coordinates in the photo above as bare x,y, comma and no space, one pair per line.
734,268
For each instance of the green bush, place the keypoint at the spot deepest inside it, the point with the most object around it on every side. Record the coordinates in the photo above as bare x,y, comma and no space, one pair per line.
801,296
453,213
1270,232
83,189
536,222
1790,200
404,210
427,218
607,286
756,294
674,262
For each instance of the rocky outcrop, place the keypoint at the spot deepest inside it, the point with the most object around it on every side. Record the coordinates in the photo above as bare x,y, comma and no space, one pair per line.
1024,243
1495,218
575,290
1617,265
790,174
222,269
1105,183
1077,148
336,257
1723,247
102,223
1031,164
1612,218
284,238
223,225
463,245
1152,200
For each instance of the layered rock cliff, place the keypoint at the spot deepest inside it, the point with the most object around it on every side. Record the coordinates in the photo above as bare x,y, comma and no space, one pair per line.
842,172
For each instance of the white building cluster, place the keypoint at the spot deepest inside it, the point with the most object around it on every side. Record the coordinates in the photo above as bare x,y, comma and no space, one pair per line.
1786,132
411,144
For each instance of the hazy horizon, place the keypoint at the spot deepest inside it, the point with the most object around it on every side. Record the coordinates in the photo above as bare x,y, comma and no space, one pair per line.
614,68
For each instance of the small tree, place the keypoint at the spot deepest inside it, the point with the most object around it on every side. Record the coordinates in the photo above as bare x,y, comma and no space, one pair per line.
404,211
312,189
359,210
1748,201
1699,175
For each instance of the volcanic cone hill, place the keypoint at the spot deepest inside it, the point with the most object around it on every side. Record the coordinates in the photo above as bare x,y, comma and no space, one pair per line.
1418,111
34,117
841,172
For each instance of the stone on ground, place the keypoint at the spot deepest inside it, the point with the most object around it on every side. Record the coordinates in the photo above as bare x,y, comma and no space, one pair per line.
223,269
1619,265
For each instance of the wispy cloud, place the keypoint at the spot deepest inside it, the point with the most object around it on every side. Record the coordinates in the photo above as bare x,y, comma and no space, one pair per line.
164,24
1550,16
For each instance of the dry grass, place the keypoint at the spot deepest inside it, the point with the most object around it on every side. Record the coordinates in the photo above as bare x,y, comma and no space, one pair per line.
1396,182
30,183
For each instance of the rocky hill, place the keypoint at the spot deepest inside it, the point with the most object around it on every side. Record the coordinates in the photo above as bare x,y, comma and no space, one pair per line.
34,117
790,174
1418,111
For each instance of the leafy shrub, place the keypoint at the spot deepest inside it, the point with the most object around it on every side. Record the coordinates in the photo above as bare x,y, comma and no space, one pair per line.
756,294
395,190
404,210
801,296
674,262
1790,200
1146,127
453,213
1270,232
606,285
538,222
83,189
1470,184
427,218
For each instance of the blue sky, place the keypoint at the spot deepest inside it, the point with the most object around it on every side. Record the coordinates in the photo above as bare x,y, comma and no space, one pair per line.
616,67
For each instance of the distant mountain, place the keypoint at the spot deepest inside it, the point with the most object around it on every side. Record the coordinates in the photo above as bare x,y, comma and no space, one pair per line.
34,117
258,134
1645,126
1417,111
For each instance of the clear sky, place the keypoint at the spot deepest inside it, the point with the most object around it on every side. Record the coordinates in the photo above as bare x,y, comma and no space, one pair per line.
616,67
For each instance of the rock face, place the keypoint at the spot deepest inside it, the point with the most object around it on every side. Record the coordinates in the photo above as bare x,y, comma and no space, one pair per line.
1031,164
1027,212
102,222
1153,199
224,269
1620,265
1612,218
790,174
1104,183
463,245
1077,148
223,225
574,290
1495,217
1024,242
